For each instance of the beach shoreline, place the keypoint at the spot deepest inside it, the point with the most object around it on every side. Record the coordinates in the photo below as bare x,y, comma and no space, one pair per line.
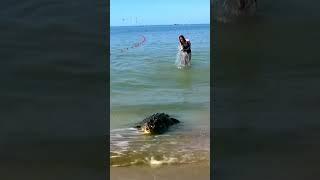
199,171
146,80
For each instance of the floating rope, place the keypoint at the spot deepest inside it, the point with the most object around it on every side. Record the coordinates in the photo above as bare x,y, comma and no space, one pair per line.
135,45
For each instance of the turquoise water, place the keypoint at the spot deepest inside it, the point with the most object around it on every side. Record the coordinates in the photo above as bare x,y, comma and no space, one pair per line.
145,80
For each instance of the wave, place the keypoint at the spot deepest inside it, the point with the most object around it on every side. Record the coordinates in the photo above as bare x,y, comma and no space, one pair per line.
129,147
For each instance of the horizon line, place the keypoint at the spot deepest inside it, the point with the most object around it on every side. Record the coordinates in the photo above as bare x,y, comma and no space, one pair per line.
160,25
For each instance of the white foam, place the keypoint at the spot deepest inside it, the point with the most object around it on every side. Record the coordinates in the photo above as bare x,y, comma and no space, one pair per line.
155,163
114,156
123,129
116,136
122,143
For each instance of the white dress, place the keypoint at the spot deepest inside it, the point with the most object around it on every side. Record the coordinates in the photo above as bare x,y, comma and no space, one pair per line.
183,58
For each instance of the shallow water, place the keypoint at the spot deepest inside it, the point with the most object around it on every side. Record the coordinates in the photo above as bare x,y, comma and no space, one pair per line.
145,80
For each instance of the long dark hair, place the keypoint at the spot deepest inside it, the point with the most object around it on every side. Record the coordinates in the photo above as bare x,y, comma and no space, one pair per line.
184,39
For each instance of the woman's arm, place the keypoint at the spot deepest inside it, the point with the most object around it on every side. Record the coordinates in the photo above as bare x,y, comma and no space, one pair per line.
188,47
189,43
180,47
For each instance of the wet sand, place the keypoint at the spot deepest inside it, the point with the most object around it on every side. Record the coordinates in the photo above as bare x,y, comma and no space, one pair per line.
199,171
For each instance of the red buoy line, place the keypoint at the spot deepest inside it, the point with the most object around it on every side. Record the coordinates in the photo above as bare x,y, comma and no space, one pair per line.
135,45
138,44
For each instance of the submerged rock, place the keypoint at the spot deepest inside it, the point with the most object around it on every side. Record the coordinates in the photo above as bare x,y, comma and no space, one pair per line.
234,8
157,123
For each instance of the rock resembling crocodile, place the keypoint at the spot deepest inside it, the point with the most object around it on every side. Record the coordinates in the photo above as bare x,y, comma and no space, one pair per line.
233,8
157,123
240,7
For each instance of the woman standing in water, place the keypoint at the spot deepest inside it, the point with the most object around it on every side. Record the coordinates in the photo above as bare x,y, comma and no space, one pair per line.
185,51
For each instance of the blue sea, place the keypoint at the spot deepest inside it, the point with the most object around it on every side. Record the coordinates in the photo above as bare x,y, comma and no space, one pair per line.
145,80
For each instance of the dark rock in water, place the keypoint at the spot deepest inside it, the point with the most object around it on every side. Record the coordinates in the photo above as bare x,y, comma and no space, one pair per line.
239,7
157,123
234,8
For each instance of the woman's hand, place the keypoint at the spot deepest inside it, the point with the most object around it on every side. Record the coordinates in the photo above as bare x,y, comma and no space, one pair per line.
180,48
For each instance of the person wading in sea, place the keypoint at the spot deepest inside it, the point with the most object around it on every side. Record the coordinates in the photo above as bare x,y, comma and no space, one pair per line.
185,51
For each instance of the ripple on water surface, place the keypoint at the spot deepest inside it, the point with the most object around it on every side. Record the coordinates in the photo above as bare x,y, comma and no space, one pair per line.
130,147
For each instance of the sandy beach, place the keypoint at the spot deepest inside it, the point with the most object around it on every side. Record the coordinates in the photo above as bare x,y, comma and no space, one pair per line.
146,80
199,171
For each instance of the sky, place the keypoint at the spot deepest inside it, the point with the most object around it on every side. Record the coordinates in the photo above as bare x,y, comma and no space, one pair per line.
159,12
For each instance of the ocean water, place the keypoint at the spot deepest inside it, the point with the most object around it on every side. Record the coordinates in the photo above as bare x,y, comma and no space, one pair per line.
53,89
145,80
267,73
